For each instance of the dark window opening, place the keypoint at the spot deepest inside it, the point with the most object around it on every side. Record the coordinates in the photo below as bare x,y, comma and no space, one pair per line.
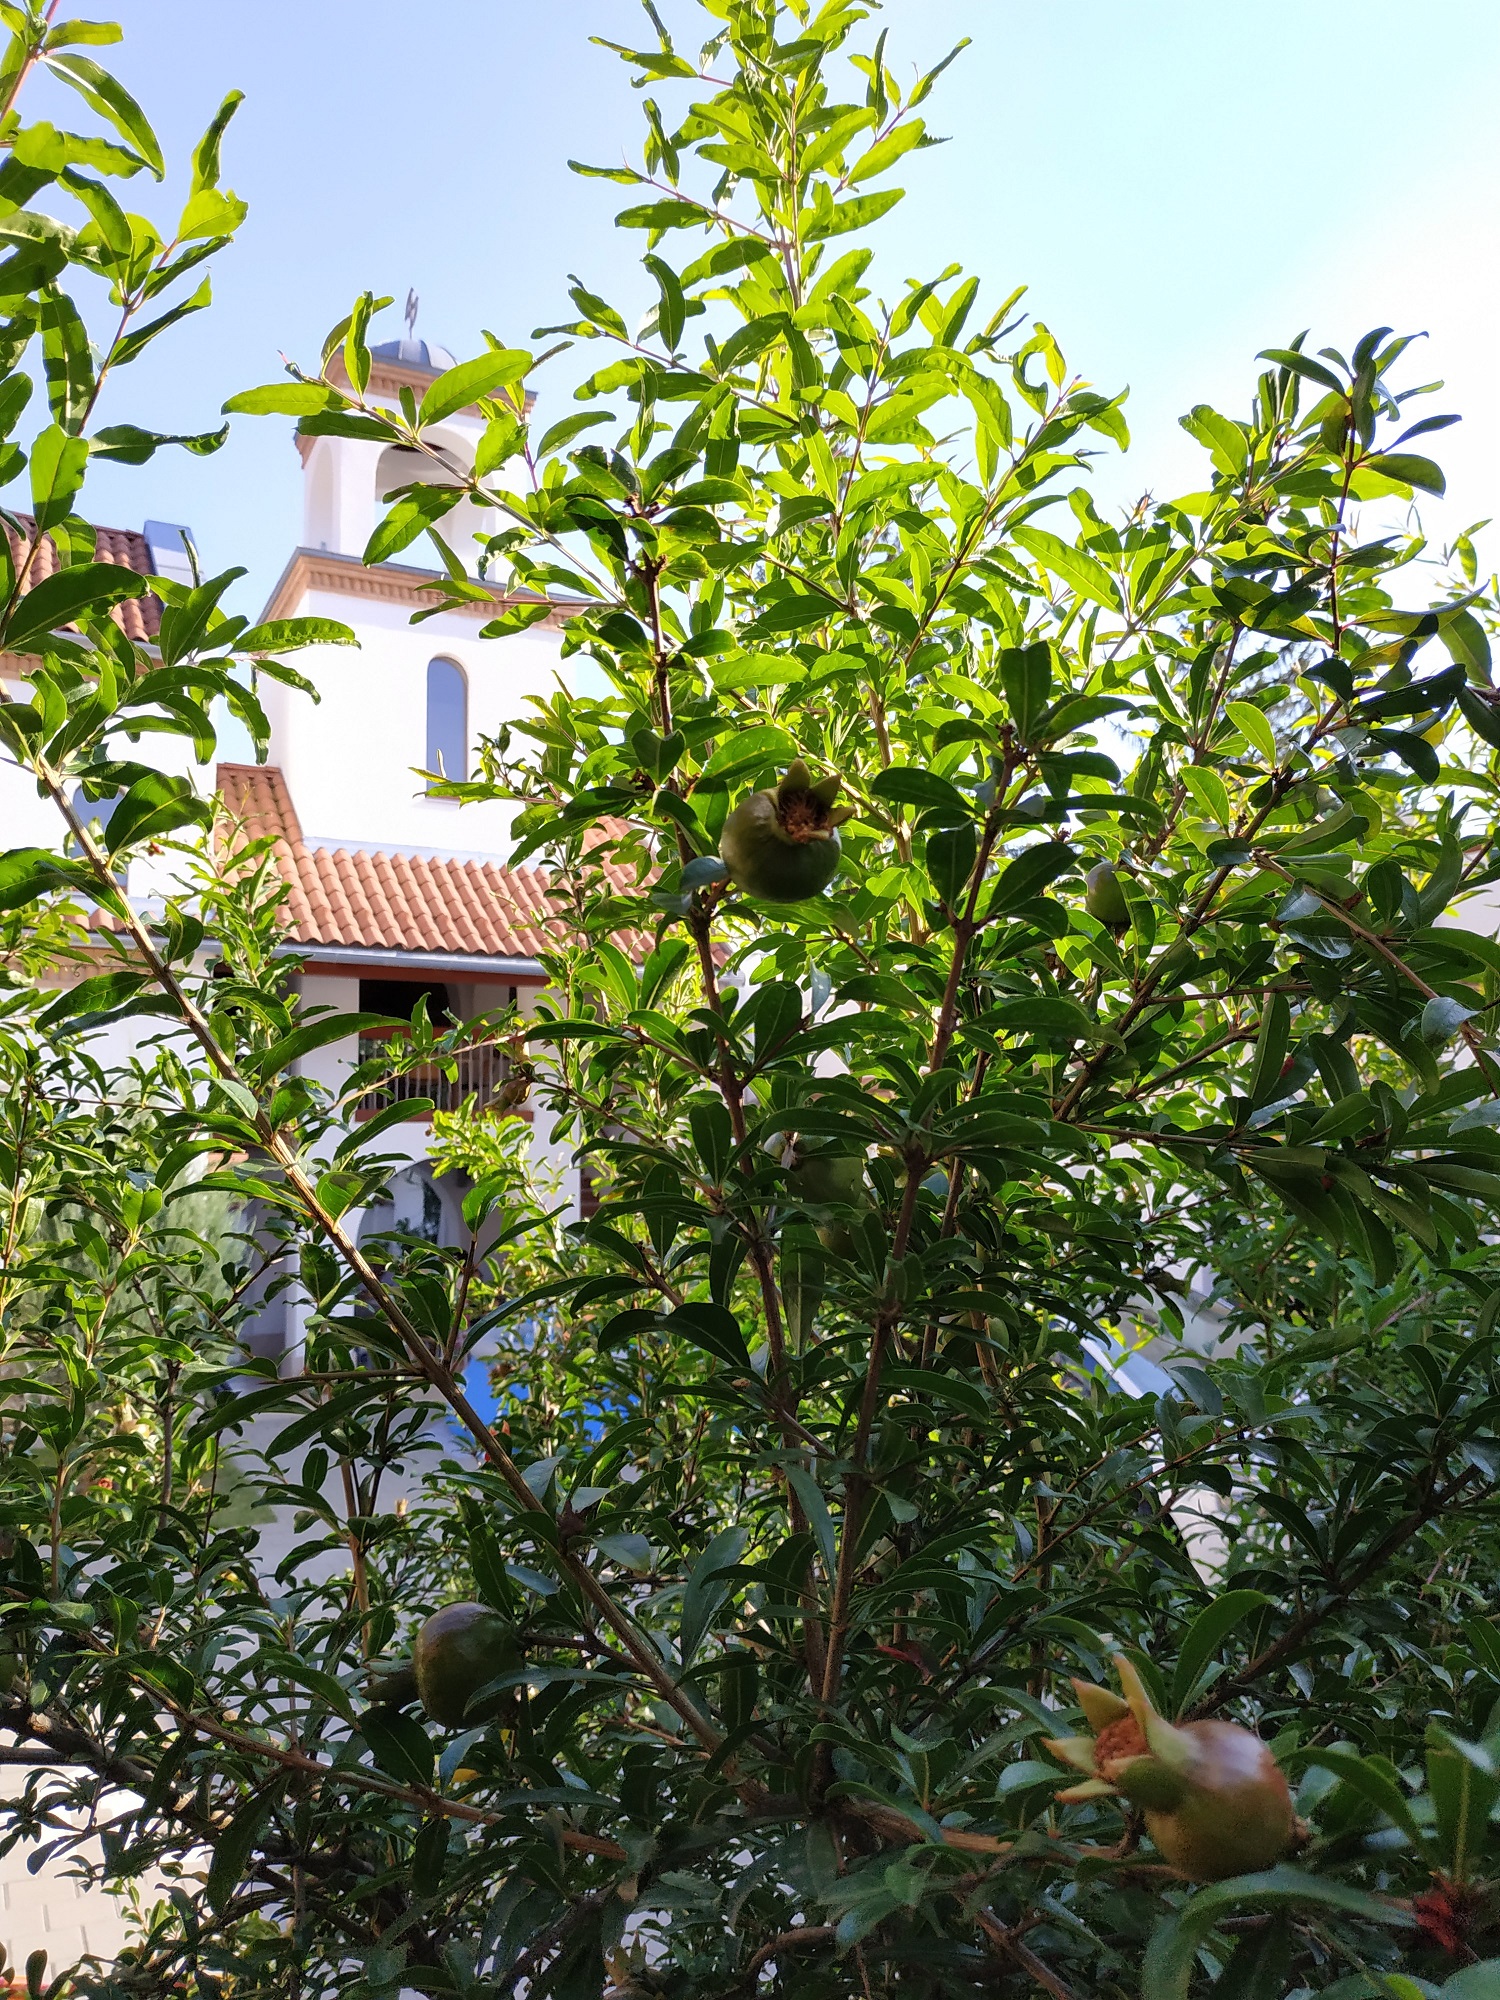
399,996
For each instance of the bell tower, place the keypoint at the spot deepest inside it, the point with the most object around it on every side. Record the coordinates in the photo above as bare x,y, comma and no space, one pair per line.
345,481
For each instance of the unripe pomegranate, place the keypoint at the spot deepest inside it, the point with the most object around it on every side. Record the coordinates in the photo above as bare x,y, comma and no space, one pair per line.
458,1650
783,846
825,1180
1104,896
392,1683
1214,1798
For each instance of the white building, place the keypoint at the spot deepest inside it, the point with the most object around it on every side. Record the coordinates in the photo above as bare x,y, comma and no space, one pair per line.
391,893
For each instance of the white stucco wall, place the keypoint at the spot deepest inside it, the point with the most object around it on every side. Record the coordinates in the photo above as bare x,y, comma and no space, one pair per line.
28,819
349,759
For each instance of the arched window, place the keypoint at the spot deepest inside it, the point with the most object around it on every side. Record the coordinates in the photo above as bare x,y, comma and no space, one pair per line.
447,720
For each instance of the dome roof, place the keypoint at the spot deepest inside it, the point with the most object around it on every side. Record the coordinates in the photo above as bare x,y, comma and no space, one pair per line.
414,354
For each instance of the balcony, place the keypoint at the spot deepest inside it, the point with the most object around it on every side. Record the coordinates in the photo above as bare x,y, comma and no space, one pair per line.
478,1071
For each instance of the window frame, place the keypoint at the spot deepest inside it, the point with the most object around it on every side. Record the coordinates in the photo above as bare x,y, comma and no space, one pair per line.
435,758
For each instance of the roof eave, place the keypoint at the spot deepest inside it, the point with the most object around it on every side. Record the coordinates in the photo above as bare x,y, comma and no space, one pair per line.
421,961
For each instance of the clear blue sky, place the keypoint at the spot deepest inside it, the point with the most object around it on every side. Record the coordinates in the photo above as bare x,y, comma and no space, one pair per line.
1180,182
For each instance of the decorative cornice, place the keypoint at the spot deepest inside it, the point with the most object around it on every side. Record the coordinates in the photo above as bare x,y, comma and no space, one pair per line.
393,583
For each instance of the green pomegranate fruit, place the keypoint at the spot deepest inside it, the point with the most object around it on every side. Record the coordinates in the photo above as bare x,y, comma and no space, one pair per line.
1104,896
458,1650
783,846
1214,1798
393,1683
828,1180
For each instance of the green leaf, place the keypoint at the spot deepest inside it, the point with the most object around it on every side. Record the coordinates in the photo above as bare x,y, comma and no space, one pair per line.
815,1507
950,857
190,614
1253,726
1046,1015
1270,1049
29,872
1465,1787
1204,1637
58,463
1442,1018
93,34
906,784
206,152
113,102
68,361
99,995
659,216
153,806
130,445
1374,1780
714,1329
1033,870
1171,1956
43,147
116,236
1467,642
1415,752
1026,676
1301,364
569,428
289,635
707,1589
838,218
42,250
234,1845
210,214
1224,439
1259,1964
671,308
457,387
1481,717
503,438
1075,566
317,1034
885,152
412,515
1408,468
931,1385
1480,1981
399,1744
66,595
789,614
283,399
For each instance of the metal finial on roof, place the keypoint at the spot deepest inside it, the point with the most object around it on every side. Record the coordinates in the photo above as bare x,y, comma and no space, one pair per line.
412,302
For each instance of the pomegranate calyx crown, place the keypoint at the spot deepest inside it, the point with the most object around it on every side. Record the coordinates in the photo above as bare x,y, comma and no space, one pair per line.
1101,1706
1075,1750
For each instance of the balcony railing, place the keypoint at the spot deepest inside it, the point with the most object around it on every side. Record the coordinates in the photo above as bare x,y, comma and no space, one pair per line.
479,1071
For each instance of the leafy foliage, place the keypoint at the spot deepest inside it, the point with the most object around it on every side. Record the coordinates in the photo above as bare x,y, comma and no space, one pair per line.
817,1474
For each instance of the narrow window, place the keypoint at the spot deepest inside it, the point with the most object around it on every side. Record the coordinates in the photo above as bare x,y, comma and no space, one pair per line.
447,720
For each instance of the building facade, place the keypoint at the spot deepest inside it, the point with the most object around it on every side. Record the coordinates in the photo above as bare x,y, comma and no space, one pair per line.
392,893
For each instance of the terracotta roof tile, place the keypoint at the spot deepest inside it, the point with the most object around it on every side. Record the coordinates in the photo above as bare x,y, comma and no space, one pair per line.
392,902
139,618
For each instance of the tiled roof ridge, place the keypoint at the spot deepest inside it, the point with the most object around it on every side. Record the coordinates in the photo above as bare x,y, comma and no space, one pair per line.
368,900
139,618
